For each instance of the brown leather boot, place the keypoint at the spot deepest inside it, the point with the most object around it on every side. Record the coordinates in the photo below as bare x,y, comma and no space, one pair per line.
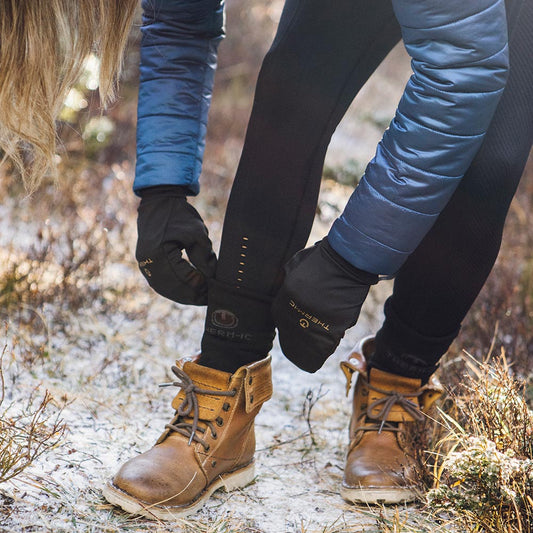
378,467
209,443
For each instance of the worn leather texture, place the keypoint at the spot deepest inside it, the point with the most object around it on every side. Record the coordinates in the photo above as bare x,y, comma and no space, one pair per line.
377,456
176,473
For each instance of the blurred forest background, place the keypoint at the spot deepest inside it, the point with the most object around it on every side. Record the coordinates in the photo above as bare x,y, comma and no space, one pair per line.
69,284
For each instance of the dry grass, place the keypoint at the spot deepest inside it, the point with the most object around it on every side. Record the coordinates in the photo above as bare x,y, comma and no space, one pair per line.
485,478
63,265
26,431
483,464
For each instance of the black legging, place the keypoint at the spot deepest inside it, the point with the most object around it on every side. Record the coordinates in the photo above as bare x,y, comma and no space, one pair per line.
322,55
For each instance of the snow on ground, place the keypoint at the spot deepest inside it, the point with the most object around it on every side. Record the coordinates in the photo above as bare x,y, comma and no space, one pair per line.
108,375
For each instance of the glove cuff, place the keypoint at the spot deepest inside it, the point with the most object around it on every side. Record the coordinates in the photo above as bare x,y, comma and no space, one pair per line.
361,276
158,191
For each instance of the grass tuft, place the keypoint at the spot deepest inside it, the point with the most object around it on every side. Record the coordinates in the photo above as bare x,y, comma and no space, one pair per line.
485,480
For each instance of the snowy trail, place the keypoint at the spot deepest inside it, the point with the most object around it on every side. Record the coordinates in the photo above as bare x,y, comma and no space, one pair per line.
106,369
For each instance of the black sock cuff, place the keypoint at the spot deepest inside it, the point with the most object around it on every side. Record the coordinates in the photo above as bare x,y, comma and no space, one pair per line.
402,350
238,323
405,365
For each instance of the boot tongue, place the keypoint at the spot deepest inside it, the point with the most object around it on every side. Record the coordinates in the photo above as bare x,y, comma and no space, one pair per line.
391,384
204,378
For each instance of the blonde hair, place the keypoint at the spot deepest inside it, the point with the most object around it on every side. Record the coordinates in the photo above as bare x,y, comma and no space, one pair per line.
43,45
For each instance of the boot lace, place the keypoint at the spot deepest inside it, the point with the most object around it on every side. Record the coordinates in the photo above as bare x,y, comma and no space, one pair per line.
190,405
389,400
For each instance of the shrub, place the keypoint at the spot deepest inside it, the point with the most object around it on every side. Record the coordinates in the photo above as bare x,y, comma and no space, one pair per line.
27,431
485,481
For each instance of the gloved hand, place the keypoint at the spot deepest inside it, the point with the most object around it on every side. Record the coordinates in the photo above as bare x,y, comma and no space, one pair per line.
320,298
167,224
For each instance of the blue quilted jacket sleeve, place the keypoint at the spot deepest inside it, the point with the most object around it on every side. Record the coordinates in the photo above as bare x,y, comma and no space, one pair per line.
460,62
178,60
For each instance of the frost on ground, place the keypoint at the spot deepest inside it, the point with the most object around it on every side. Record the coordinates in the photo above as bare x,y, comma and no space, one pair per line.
103,363
106,382
104,370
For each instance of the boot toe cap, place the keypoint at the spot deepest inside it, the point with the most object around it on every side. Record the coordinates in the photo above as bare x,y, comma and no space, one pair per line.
359,475
378,463
152,480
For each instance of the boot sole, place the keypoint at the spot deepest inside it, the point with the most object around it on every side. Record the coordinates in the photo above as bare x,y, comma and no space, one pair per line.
376,496
234,480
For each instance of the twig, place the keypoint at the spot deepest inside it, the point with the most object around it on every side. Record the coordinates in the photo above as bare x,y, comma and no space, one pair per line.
301,436
310,401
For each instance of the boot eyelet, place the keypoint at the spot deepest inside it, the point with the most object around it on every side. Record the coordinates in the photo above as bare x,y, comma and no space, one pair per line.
225,407
214,435
233,392
250,381
219,421
206,448
251,398
213,464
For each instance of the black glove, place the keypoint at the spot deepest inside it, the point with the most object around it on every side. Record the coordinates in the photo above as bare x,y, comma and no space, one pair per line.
166,226
321,297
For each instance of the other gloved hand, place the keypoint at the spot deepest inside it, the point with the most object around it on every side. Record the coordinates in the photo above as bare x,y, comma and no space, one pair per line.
167,224
320,298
